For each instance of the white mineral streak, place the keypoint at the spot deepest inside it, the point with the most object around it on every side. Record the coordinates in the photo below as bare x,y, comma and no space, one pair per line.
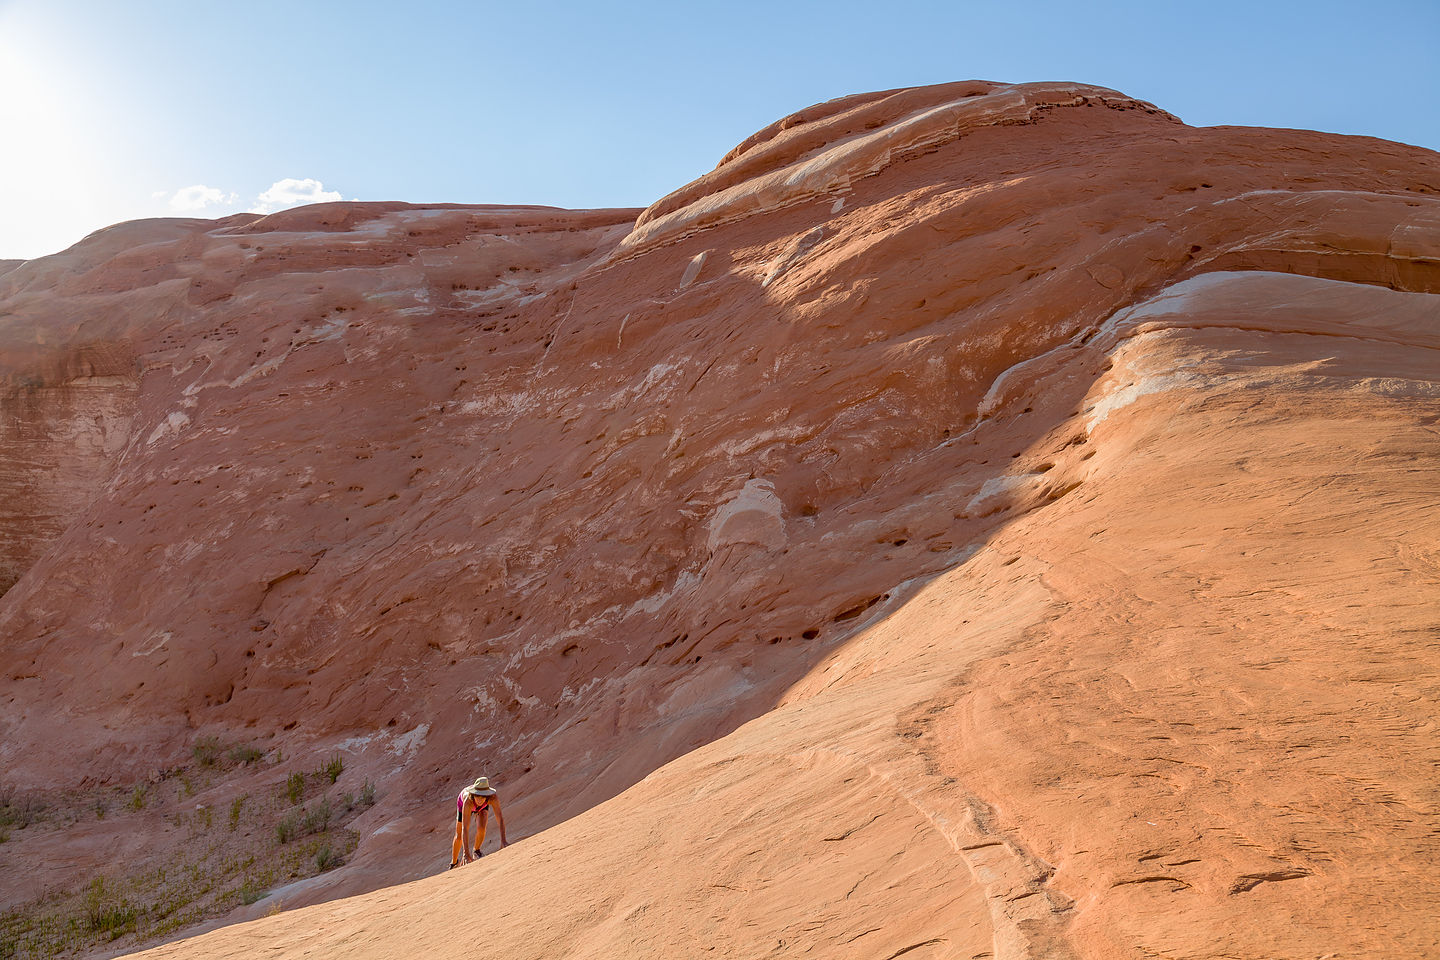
753,514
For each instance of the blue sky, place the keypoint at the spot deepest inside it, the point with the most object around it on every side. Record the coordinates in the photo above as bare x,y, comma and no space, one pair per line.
115,110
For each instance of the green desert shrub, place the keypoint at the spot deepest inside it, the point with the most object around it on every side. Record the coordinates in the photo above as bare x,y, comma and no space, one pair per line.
19,811
245,755
107,913
326,858
290,826
236,806
207,751
295,787
317,819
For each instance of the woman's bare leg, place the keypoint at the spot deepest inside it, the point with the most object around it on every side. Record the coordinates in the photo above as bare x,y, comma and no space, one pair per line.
458,845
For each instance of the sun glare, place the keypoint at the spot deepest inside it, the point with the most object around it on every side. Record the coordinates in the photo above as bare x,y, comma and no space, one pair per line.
56,174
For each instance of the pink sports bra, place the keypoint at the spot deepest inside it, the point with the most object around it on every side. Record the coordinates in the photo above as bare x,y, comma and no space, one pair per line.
480,802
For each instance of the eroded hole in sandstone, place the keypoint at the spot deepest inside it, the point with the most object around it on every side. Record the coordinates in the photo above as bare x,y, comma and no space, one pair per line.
1055,493
850,613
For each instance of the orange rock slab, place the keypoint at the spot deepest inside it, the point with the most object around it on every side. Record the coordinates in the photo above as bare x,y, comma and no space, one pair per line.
977,520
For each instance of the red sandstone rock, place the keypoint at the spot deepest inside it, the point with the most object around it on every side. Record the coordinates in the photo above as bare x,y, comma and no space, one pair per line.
972,518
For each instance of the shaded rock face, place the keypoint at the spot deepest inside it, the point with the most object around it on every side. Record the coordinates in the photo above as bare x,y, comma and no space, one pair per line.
61,438
943,434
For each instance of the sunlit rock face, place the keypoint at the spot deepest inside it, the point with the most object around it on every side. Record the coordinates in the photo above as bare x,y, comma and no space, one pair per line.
971,518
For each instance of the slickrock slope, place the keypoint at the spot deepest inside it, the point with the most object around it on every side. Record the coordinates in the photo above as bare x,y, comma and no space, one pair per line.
971,521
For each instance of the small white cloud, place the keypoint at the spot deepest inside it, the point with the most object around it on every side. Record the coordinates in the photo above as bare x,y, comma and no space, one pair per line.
198,197
291,193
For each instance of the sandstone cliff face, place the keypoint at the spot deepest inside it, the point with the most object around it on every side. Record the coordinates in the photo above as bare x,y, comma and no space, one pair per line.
1012,507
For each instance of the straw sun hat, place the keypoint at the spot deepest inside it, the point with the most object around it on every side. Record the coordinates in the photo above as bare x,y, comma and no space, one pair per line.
481,787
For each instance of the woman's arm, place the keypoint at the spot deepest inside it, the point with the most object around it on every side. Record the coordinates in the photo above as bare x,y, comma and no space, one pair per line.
495,805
